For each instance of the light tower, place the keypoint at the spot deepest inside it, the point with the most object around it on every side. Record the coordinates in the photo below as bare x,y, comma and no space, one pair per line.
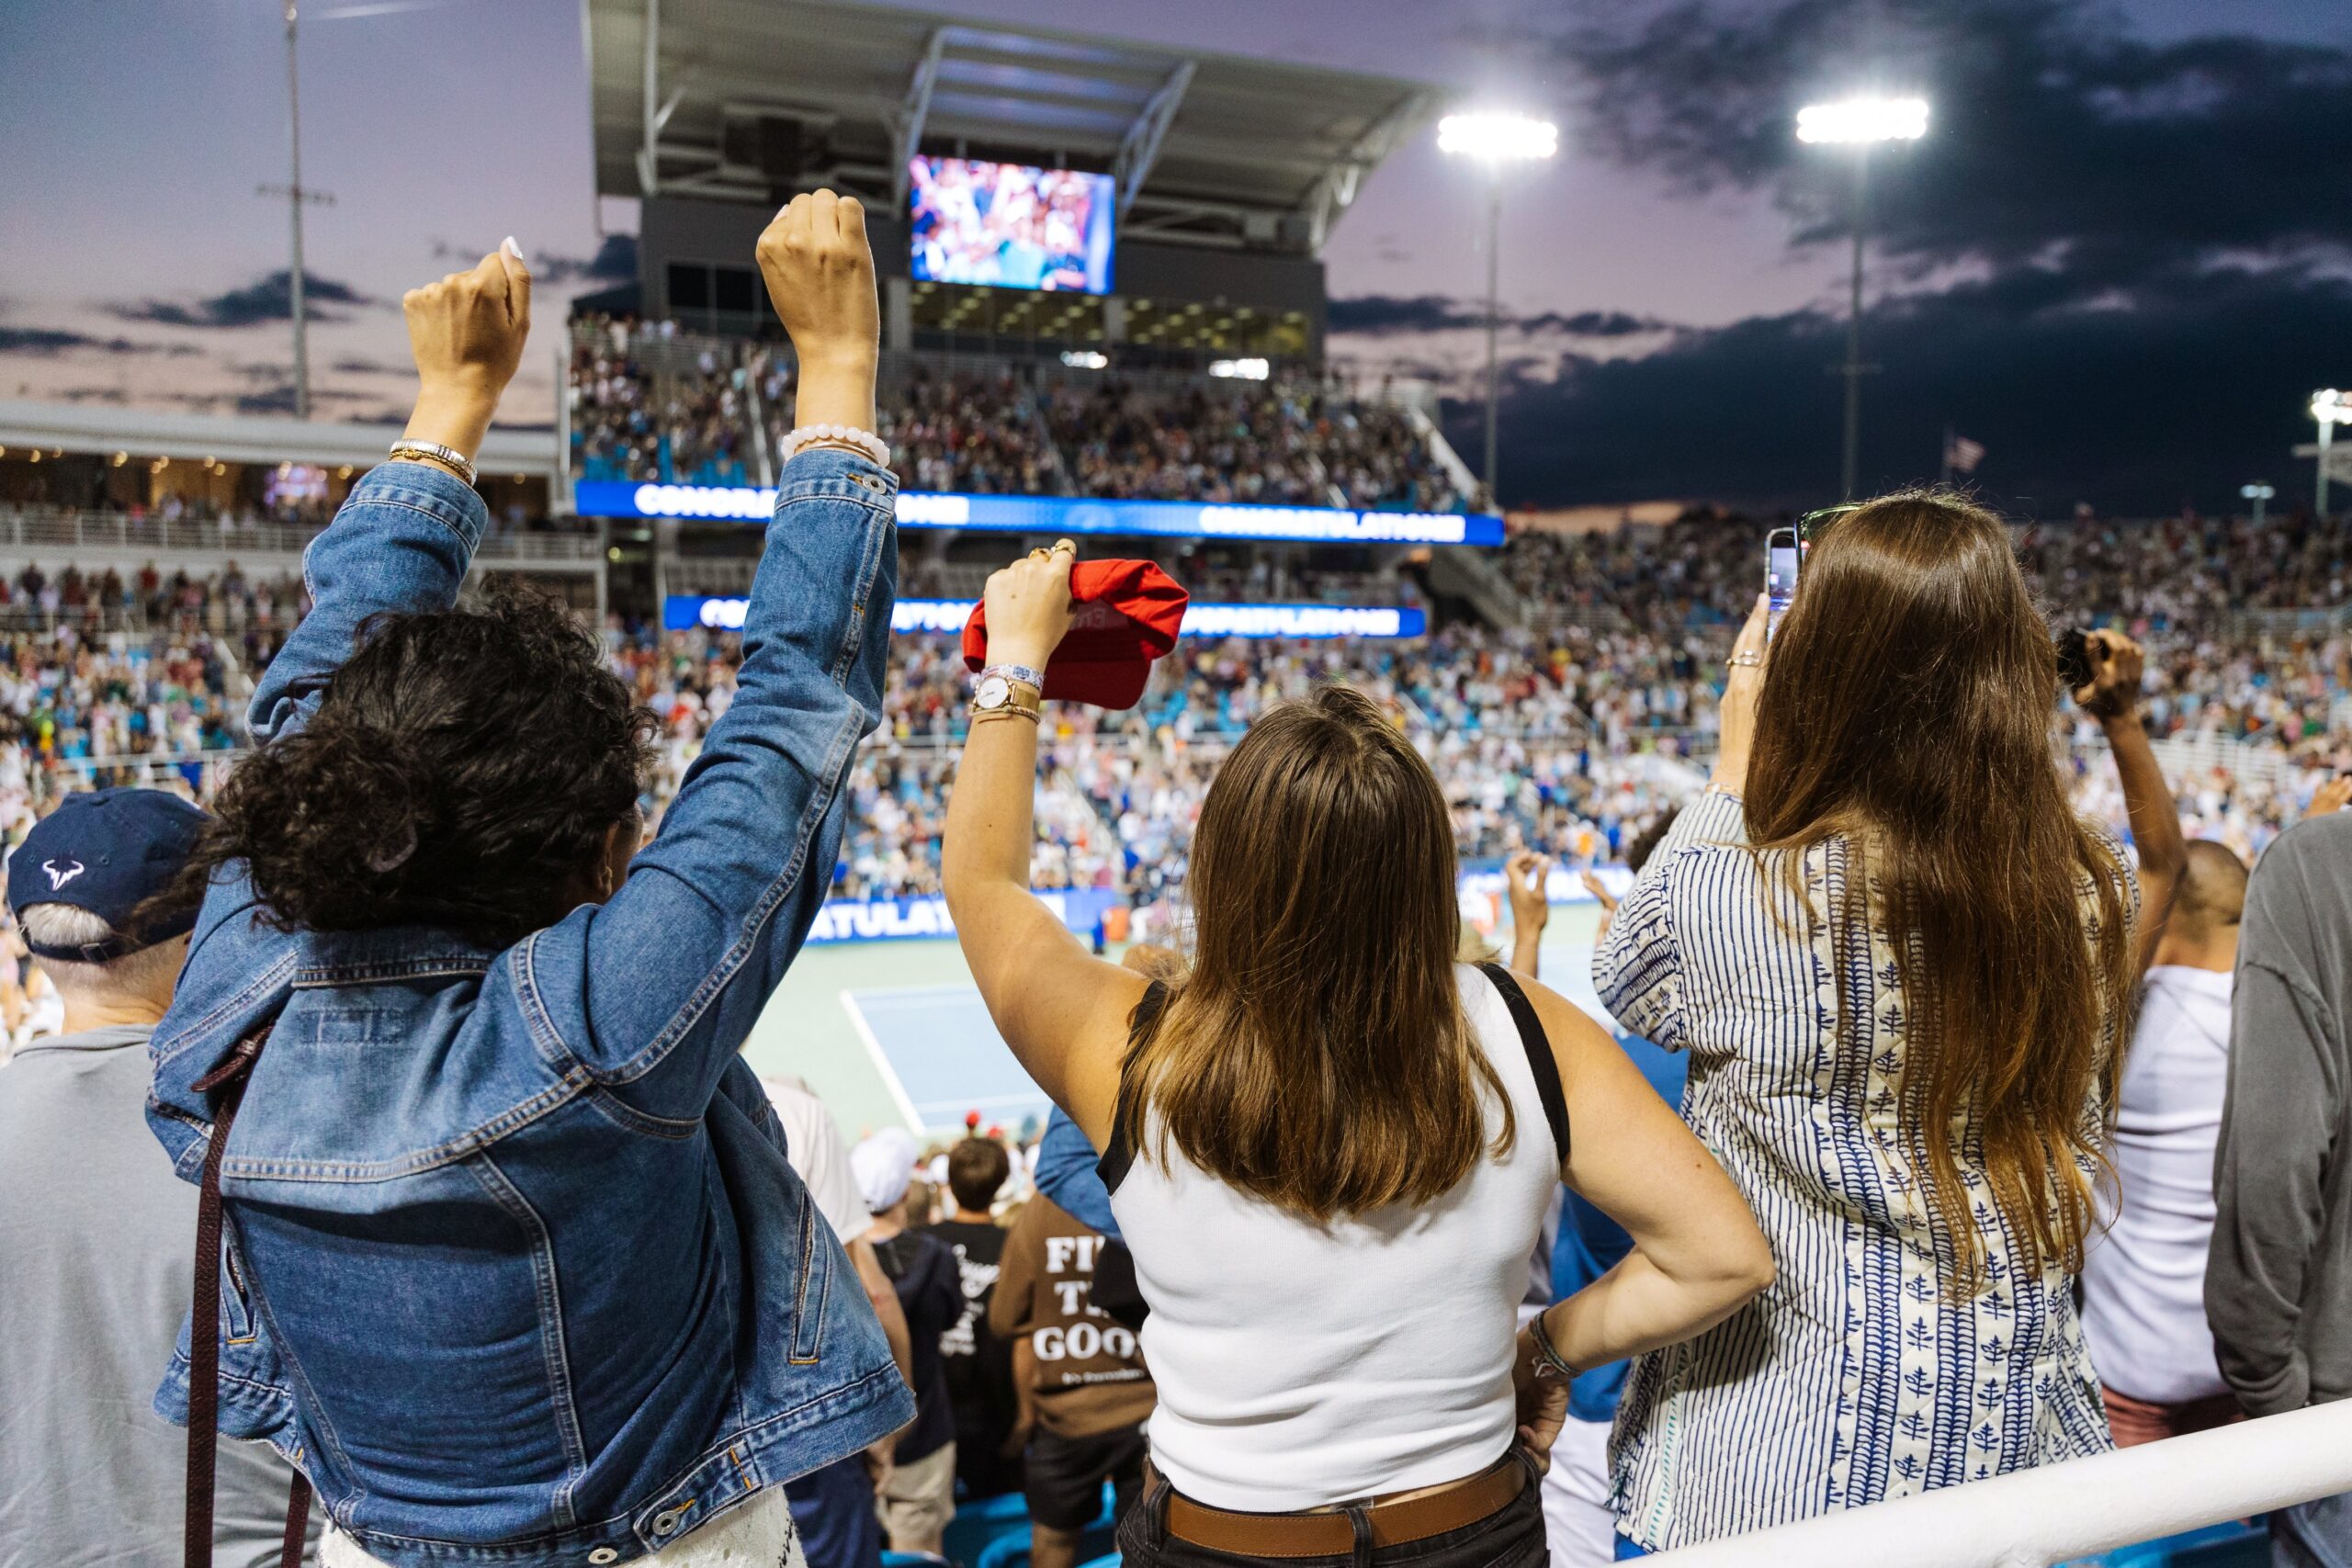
1494,142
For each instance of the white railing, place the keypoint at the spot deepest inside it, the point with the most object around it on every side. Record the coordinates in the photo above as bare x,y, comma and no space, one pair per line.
40,529
2036,1517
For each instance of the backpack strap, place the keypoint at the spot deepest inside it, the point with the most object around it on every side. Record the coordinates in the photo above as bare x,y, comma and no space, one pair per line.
1115,1161
1538,1047
229,1078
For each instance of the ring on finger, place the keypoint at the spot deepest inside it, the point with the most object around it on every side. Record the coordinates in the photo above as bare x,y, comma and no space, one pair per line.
1041,553
1070,546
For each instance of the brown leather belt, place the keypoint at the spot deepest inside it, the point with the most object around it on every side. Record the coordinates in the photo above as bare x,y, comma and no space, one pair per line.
1334,1534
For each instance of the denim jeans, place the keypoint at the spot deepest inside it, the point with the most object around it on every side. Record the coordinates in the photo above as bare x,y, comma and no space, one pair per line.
2317,1534
1510,1537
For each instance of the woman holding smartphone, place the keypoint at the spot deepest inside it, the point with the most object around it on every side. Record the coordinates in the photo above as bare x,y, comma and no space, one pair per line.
1902,966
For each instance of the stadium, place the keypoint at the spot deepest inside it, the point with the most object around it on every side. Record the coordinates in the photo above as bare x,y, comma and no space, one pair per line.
1104,319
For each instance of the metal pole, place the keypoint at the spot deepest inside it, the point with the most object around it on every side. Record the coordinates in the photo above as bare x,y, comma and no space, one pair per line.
1494,316
2326,441
1850,471
294,206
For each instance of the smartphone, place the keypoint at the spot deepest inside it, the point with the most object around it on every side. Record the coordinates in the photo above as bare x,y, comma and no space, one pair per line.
1781,561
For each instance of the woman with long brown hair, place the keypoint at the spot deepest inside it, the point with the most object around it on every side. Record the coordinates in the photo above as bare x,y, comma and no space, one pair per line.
1330,1148
1902,965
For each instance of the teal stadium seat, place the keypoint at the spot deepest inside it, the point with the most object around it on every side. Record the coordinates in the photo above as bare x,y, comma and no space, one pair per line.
1012,1550
2232,1545
978,1523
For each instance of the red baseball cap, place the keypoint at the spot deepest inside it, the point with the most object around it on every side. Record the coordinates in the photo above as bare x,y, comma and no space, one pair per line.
1126,613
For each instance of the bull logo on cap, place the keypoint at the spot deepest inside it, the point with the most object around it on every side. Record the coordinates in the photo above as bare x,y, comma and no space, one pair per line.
57,878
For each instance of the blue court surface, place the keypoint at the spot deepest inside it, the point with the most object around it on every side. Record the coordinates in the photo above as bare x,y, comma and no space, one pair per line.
940,1056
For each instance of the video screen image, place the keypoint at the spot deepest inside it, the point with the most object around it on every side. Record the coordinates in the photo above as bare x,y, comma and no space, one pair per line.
1010,226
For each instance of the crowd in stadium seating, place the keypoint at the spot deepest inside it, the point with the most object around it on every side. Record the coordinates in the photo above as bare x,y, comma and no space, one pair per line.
1548,737
649,404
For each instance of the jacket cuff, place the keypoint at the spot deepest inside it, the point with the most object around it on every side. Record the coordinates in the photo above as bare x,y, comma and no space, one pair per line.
422,487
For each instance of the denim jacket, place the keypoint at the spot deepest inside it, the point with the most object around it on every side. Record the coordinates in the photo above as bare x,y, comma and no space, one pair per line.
515,1266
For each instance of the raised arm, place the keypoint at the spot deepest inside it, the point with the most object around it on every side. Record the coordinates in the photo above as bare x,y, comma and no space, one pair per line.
1527,875
405,536
1062,1010
1698,1255
655,990
2113,698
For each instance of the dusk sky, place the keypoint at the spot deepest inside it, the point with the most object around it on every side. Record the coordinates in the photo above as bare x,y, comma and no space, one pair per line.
2121,259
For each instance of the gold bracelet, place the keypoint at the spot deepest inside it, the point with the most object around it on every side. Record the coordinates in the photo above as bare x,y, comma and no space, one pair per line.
1008,711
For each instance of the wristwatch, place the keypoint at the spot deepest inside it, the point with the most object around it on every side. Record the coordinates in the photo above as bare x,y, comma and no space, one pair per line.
1000,694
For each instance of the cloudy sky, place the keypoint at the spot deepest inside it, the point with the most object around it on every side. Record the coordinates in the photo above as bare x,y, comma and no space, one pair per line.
2121,260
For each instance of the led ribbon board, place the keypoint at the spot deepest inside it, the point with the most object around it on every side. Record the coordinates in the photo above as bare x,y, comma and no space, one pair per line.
685,612
1075,515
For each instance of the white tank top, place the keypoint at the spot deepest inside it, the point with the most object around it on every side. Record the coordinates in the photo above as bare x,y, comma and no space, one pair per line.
1300,1366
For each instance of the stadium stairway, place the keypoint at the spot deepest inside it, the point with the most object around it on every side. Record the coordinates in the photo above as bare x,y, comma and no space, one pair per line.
994,1533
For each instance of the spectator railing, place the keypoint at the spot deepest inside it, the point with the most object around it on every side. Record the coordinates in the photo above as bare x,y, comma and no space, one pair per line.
37,528
2036,1517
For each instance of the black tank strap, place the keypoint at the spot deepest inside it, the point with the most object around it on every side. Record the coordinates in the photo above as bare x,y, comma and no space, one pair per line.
1114,1165
1538,1045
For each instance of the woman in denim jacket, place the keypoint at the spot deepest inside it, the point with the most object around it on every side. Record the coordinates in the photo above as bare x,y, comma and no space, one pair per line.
515,1269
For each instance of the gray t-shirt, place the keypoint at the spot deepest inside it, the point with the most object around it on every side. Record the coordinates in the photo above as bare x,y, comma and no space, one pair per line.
97,1252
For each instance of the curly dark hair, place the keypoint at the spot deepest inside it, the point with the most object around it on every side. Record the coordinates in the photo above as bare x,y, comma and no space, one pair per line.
462,771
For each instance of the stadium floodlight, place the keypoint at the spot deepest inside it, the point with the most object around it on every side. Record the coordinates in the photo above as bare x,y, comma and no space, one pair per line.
2330,408
1861,124
1084,359
1241,370
1498,138
1494,140
2258,493
1864,119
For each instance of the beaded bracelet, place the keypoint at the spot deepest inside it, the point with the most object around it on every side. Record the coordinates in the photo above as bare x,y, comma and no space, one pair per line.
849,435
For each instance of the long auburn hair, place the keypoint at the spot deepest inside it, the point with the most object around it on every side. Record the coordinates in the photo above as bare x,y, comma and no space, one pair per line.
1906,710
1316,1055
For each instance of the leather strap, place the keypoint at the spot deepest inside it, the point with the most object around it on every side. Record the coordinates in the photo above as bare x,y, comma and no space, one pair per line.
1538,1047
204,1330
1349,1530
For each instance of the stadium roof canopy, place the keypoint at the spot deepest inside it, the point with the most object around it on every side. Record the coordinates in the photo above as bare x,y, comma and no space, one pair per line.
703,97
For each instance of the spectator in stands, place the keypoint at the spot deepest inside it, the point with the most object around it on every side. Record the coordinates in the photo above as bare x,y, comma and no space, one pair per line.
917,1494
2143,1276
1324,1096
979,1364
1084,1392
1938,1027
434,1183
1577,1512
833,1506
96,1232
2280,1271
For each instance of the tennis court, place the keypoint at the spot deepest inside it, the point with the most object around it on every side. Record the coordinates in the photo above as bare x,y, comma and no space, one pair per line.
894,1032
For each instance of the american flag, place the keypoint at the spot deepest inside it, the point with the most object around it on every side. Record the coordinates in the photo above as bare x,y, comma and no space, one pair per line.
1962,455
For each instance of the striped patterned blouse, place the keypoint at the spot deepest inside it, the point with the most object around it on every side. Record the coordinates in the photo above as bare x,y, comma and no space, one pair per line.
1854,1379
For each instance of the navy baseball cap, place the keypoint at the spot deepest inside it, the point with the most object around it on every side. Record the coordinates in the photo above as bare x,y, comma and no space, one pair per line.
108,851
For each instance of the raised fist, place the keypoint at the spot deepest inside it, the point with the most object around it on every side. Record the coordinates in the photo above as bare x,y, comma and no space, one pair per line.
467,330
820,274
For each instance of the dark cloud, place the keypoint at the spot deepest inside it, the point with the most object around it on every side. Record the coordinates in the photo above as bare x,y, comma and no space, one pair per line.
1380,315
2050,127
48,343
353,365
1592,323
269,299
614,262
2195,387
1376,314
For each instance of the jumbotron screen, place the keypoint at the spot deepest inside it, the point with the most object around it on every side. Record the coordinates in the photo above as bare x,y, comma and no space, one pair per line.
1009,226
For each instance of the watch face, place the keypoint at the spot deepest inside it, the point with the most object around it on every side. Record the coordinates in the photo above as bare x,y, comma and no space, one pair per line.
994,693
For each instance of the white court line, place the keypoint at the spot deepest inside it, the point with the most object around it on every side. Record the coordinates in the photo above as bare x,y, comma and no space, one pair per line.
882,1064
